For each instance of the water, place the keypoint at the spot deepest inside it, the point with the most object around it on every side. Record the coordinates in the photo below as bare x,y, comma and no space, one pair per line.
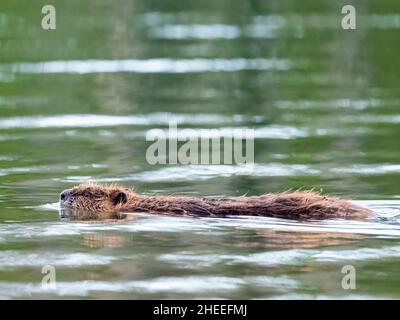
76,104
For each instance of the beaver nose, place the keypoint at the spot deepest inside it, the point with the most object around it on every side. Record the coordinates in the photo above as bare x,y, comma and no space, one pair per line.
64,196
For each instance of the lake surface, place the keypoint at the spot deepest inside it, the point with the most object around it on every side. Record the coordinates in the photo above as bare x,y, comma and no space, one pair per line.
76,104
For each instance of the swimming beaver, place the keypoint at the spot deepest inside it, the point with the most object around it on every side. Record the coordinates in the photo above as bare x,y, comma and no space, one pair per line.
96,201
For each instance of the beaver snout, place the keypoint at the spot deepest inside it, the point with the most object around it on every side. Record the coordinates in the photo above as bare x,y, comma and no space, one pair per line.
65,196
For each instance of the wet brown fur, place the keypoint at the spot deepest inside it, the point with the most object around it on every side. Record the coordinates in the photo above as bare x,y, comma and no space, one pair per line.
107,201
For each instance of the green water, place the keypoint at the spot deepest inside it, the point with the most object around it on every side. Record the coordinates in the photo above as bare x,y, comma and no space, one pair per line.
324,104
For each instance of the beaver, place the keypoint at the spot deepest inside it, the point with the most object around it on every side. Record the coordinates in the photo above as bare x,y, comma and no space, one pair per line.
97,201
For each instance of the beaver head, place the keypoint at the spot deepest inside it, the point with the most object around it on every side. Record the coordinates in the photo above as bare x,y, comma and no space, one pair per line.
93,198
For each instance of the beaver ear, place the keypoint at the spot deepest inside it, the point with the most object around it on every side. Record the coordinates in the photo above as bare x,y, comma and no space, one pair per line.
119,197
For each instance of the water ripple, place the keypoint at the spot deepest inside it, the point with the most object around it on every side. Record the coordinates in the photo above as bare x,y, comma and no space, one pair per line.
266,132
96,120
356,104
280,257
149,66
159,223
205,172
188,285
274,169
213,31
369,169
9,258
267,23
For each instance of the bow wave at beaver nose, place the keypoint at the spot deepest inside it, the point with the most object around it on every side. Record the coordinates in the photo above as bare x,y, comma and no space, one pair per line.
65,195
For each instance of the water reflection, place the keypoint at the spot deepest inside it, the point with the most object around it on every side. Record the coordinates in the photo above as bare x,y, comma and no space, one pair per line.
151,66
209,286
213,31
93,120
267,238
103,240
